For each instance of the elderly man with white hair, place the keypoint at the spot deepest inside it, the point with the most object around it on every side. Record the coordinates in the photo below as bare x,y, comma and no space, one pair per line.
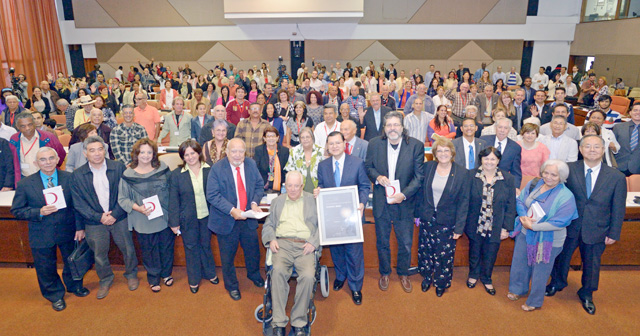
510,150
291,233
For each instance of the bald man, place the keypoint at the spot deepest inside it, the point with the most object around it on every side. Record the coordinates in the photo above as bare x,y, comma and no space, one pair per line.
234,186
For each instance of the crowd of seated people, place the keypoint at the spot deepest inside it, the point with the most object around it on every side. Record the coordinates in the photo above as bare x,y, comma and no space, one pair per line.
240,133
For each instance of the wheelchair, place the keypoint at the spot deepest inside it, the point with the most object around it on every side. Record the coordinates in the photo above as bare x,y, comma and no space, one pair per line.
263,312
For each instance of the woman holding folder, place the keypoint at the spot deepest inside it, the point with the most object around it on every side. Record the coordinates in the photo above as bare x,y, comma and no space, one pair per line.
144,194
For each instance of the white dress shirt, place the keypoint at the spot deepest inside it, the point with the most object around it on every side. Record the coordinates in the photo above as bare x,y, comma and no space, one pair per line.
594,173
466,145
101,185
503,143
392,159
340,164
235,181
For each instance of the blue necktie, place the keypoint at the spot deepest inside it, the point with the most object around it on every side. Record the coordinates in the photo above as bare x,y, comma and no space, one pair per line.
634,137
336,174
500,147
588,179
472,158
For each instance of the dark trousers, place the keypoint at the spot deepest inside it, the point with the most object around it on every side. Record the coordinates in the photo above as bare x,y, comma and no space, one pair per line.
45,263
157,254
482,257
197,251
403,229
348,260
435,254
98,238
590,254
248,239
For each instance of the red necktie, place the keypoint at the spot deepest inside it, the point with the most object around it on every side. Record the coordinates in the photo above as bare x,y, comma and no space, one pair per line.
348,149
242,193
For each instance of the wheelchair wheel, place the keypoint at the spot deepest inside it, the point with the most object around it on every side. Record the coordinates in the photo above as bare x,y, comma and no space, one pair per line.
324,281
311,313
261,315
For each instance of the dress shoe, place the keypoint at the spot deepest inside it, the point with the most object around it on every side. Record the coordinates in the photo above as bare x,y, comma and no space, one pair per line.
297,331
425,285
59,305
471,284
491,291
278,331
552,290
588,306
383,283
235,294
357,297
337,285
406,284
194,289
133,283
215,280
81,292
258,283
440,291
103,291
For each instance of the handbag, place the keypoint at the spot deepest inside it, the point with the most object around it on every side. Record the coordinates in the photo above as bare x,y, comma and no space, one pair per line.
80,260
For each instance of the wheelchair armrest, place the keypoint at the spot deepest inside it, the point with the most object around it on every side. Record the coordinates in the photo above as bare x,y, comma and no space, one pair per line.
267,260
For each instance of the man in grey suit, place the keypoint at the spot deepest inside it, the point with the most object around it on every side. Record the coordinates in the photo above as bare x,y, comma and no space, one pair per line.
486,103
600,192
628,156
355,146
292,237
468,146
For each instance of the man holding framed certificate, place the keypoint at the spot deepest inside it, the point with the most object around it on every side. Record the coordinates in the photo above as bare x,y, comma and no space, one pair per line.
340,171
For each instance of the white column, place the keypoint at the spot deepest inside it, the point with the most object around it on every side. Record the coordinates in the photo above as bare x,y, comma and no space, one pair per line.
549,53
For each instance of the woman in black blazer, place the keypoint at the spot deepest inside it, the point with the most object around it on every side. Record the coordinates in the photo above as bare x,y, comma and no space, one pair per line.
271,159
492,211
189,213
443,213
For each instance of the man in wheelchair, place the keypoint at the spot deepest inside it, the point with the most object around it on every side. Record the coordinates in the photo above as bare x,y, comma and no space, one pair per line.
291,233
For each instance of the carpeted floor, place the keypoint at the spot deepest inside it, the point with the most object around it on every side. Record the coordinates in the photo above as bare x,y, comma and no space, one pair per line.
461,311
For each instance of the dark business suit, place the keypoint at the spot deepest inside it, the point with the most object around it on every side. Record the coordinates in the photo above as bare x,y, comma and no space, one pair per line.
528,95
599,216
221,194
370,123
206,135
483,251
523,111
359,149
196,126
48,232
261,157
195,233
628,160
325,100
7,178
409,171
90,212
461,159
348,259
436,244
510,161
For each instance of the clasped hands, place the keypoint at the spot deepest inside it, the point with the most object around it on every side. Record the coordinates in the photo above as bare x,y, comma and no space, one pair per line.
307,248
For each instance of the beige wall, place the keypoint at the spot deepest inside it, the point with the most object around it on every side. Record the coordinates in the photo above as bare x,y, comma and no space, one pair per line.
407,55
614,46
291,6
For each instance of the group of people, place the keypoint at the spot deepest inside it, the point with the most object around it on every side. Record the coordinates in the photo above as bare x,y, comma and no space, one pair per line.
313,137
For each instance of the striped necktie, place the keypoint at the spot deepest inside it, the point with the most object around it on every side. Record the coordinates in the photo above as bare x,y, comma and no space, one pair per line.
50,182
634,137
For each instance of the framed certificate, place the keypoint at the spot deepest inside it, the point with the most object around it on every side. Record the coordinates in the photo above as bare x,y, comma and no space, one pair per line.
339,221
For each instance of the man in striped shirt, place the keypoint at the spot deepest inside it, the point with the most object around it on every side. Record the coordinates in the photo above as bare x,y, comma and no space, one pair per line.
459,100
